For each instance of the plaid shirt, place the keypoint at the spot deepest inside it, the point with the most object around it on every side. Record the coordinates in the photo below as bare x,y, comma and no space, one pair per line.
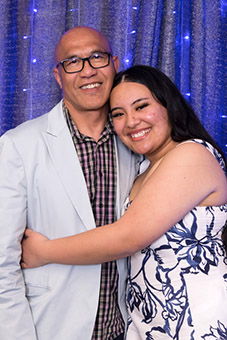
98,163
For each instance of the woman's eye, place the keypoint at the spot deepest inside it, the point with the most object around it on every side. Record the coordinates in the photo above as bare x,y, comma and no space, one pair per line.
142,106
117,114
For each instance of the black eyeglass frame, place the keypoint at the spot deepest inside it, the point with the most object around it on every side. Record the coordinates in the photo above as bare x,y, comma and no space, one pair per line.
83,60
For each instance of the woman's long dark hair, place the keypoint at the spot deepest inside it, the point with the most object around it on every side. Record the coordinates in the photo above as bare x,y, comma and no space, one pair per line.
184,122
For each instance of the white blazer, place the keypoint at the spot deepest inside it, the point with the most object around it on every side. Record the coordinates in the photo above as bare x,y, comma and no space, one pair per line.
42,186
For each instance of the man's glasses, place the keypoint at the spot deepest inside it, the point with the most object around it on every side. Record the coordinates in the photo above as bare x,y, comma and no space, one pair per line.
75,64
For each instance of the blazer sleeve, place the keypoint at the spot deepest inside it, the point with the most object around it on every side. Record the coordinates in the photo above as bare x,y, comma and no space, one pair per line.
15,315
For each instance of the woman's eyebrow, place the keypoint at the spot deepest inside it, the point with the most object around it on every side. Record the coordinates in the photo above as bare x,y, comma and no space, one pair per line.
116,108
133,103
139,100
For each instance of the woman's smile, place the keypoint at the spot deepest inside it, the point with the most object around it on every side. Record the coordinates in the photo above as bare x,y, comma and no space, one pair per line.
140,120
140,134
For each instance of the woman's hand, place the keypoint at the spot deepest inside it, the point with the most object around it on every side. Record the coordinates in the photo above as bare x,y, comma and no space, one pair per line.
33,249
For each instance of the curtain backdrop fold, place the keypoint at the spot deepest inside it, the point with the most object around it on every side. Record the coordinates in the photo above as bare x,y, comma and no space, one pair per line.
186,39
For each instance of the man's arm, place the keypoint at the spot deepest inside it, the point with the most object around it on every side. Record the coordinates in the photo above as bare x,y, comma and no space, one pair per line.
15,314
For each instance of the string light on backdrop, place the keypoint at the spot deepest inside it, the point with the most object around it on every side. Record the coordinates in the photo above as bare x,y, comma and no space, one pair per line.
72,13
185,43
182,41
131,34
30,39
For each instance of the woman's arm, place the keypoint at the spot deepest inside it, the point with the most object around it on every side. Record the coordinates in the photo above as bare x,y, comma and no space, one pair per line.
188,176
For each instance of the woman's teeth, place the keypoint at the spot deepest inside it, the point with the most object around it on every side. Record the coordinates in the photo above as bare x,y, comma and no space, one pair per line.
140,134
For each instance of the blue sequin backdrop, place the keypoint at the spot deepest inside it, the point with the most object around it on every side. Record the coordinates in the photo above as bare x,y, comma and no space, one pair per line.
186,39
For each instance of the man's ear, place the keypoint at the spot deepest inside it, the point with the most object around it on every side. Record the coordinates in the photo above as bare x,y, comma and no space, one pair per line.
116,62
57,76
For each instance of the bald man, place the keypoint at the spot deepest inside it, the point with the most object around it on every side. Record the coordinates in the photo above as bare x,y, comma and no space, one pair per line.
61,174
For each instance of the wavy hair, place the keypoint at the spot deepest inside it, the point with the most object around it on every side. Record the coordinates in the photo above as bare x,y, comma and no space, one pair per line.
183,120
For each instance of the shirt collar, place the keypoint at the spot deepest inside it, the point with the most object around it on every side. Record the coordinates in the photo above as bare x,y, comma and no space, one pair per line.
107,131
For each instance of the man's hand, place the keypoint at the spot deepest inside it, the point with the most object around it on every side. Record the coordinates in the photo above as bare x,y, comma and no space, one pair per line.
33,249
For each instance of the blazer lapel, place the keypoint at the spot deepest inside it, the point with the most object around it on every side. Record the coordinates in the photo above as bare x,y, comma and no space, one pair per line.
127,169
62,151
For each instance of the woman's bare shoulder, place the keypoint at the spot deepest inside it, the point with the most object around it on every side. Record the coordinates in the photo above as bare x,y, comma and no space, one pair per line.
189,153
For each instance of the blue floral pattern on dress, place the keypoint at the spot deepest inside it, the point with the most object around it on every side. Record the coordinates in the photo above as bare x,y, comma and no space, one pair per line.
169,280
219,333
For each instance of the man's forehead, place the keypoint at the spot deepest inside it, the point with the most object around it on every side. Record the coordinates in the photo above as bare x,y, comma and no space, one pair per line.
76,52
86,45
81,42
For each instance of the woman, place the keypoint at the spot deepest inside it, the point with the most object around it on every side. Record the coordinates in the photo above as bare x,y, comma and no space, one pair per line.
175,213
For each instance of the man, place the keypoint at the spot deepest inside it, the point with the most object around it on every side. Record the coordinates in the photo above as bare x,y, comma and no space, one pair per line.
60,174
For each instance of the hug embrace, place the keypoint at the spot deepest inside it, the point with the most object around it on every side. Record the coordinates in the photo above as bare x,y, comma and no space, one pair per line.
125,142
174,217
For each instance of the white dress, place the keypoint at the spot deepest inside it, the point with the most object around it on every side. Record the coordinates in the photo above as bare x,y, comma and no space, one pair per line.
177,286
